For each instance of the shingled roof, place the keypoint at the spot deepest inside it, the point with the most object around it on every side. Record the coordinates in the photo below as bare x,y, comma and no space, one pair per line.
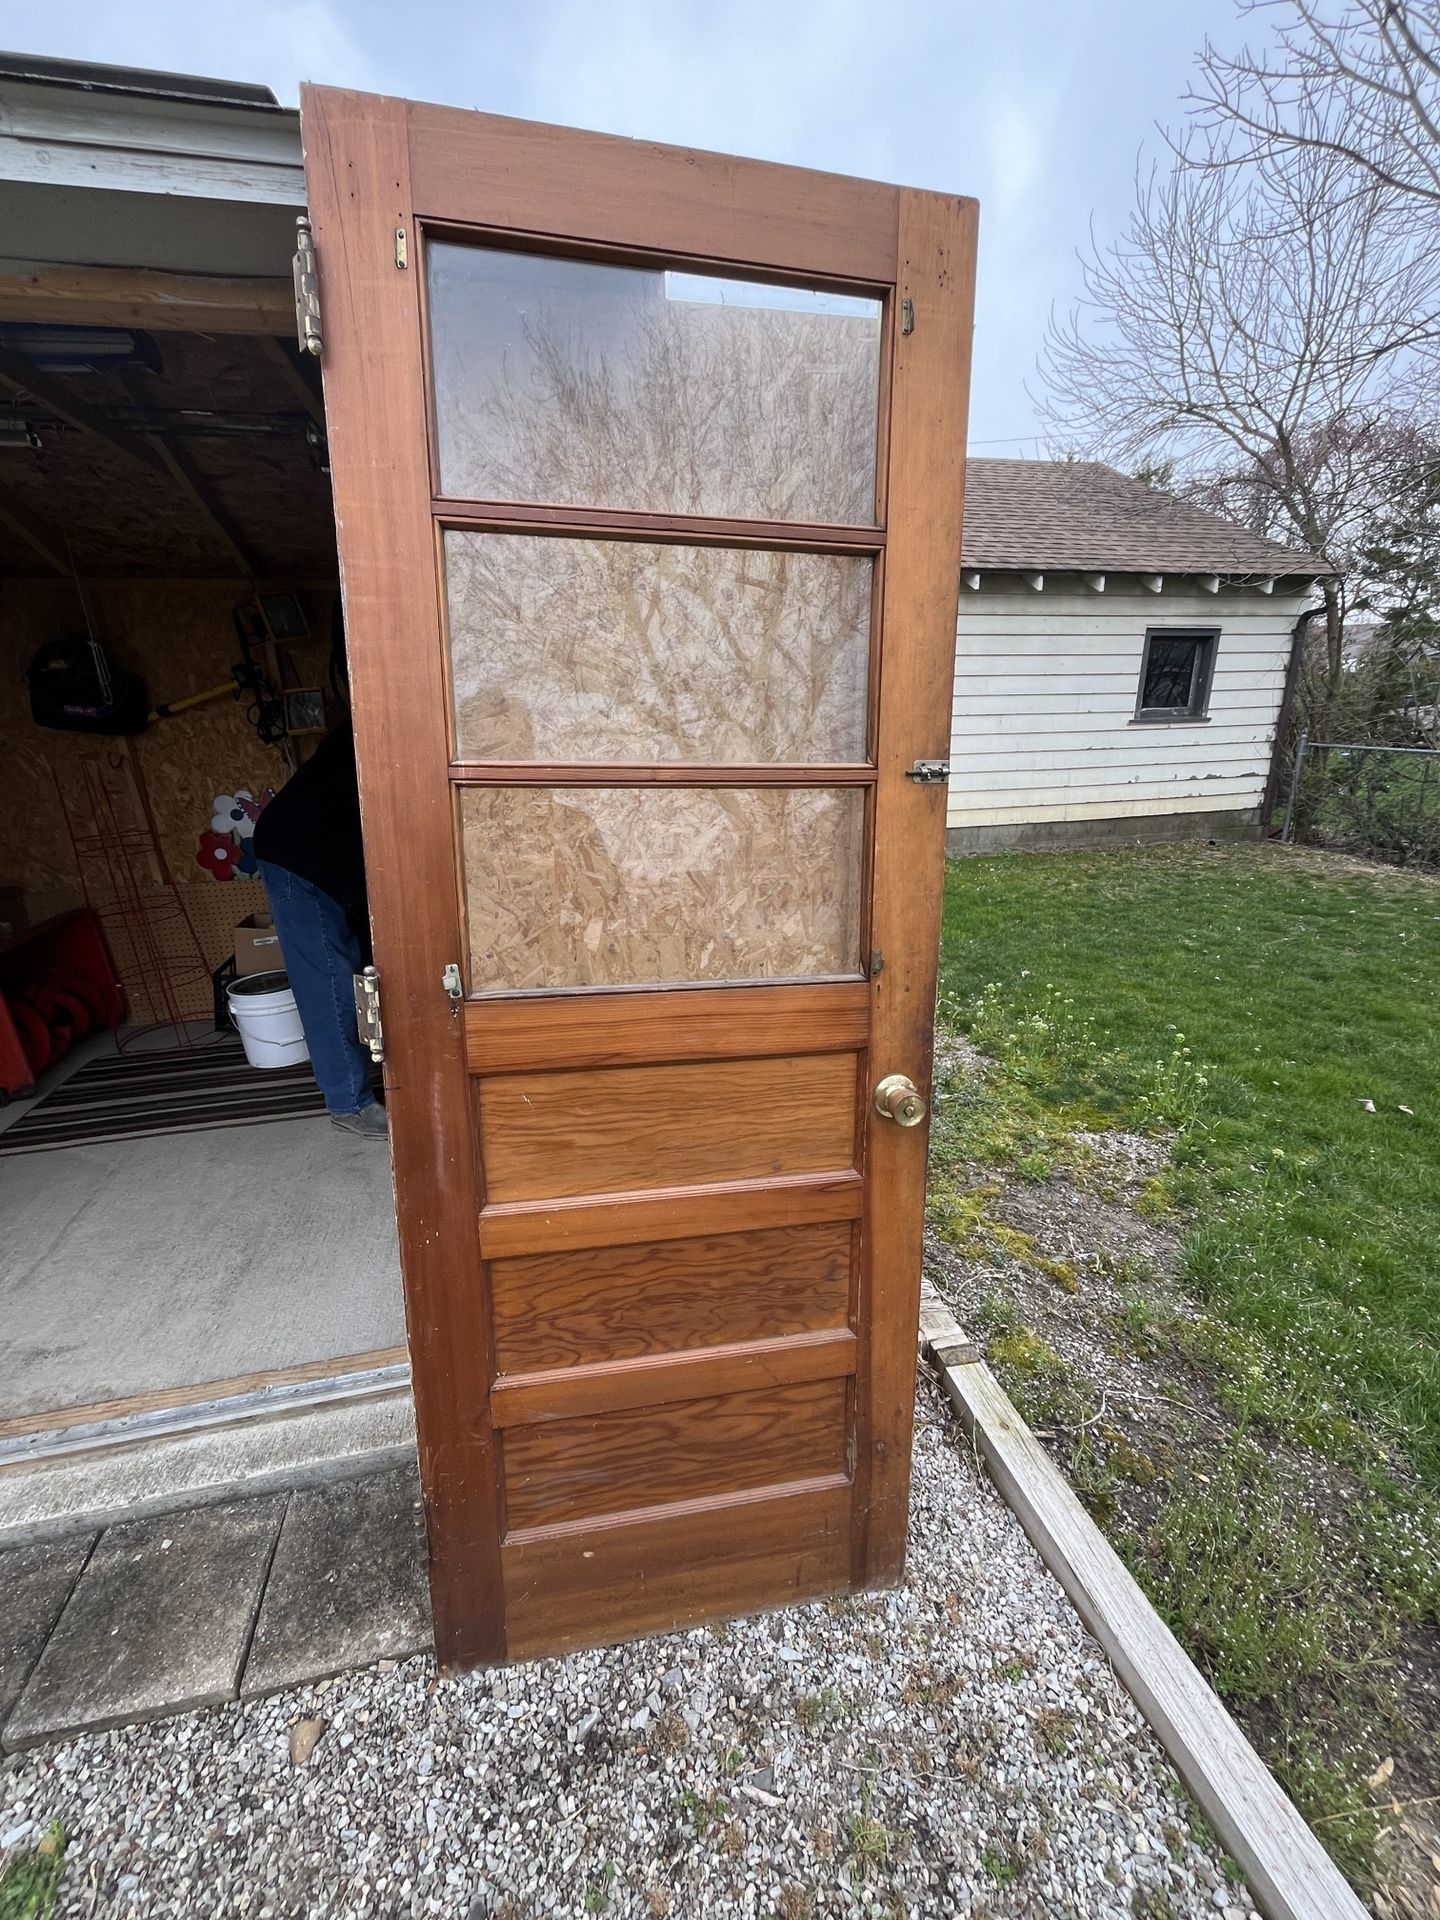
1080,516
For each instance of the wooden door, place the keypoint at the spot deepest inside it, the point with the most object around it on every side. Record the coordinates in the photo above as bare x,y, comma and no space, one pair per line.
648,469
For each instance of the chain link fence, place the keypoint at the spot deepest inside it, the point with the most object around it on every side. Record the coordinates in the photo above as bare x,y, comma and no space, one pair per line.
1383,802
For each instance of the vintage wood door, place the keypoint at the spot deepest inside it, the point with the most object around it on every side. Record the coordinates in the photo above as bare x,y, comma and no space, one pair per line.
648,469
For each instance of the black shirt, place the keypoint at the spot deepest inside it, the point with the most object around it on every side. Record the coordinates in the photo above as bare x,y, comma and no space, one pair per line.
312,826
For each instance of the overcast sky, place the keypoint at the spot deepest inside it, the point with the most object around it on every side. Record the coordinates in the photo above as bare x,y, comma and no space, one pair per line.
1037,107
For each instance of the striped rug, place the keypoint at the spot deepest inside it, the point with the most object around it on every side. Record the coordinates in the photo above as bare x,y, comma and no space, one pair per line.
133,1096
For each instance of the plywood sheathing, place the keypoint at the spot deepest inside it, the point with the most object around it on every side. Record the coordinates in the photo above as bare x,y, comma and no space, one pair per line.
178,635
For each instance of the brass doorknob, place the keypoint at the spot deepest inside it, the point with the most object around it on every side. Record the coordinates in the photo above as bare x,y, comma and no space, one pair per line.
897,1099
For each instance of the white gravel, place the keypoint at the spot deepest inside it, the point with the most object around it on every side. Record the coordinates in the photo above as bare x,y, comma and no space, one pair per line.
956,1747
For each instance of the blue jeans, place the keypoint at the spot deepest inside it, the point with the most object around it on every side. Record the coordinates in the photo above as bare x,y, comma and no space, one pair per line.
321,956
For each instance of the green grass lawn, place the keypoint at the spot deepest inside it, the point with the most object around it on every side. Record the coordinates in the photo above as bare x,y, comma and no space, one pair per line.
1257,1001
1274,1016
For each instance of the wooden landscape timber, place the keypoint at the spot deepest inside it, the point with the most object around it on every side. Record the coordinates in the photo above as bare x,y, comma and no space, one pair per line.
1288,1871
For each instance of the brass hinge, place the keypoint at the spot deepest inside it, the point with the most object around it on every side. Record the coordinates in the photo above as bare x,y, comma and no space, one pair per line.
307,288
367,1012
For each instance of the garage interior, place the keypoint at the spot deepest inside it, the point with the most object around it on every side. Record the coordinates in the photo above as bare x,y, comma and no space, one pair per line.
188,1242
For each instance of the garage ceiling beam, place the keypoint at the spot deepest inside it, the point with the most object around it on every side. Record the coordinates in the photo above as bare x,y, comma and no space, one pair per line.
41,538
146,297
17,373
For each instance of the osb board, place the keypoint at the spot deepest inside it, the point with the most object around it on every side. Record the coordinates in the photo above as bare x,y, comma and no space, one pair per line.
617,650
178,635
624,886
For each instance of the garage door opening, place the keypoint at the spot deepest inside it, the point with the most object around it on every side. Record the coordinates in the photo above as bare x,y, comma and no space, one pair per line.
190,1246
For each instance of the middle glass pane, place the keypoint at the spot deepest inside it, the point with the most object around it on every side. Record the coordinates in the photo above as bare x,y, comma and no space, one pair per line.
617,651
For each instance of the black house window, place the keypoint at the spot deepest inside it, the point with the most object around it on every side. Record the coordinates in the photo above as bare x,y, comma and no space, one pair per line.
1175,673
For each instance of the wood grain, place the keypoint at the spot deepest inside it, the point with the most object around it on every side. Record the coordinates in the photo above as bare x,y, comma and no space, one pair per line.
657,1380
548,1135
668,1025
575,1470
644,1516
482,170
929,389
147,297
669,1213
699,1560
357,175
572,1309
629,523
625,773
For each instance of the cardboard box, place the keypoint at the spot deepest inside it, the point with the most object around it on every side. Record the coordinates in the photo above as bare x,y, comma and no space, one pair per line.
257,945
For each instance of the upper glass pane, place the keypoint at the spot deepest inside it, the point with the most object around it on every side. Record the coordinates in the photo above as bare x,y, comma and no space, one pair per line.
624,651
571,383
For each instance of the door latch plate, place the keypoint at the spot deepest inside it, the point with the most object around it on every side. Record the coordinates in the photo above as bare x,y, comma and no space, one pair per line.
454,988
929,773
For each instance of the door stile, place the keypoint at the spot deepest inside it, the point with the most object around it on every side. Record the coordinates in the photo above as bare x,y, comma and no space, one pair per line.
929,395
374,387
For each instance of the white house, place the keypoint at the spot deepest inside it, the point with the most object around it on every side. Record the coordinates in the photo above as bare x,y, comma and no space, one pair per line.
1121,663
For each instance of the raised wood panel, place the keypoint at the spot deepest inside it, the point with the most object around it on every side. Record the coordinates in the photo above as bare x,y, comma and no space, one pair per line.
495,172
615,1303
572,1587
669,1213
657,1380
548,1135
701,1023
575,1470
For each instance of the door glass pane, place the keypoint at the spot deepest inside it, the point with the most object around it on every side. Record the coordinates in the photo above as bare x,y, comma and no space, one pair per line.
579,384
616,651
622,886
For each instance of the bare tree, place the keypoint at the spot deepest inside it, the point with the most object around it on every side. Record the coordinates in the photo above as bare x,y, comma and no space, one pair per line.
1358,80
1252,323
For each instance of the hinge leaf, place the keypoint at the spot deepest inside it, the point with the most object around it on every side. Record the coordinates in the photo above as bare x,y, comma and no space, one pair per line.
307,288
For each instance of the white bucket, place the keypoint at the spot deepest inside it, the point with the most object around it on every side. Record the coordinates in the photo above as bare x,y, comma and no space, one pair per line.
264,1011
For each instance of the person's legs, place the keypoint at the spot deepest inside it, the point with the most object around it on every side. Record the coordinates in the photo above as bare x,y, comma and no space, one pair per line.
321,956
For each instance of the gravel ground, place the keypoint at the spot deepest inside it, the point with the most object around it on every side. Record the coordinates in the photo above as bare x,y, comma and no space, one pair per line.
956,1747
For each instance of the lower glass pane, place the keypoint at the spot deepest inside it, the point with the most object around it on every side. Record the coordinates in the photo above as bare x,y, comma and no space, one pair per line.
628,886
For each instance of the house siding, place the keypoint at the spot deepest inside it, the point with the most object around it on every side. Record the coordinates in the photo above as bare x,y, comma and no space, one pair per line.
1043,724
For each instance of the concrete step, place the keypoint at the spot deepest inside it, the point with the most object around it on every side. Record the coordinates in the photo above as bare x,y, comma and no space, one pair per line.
194,1608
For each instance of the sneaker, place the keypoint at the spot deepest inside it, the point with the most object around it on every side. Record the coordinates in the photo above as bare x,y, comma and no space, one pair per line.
370,1122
